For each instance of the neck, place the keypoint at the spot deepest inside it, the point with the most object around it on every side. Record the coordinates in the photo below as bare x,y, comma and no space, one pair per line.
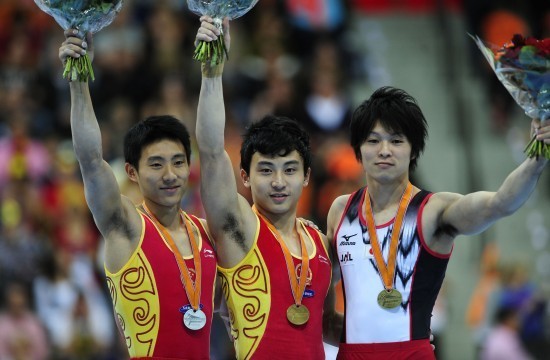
284,223
385,195
166,216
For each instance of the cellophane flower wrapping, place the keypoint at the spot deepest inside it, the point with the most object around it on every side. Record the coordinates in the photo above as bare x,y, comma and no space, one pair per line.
523,67
85,16
215,52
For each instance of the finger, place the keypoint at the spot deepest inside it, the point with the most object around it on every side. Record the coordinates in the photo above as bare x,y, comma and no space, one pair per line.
206,35
207,26
74,41
65,53
90,40
206,18
70,32
72,50
225,26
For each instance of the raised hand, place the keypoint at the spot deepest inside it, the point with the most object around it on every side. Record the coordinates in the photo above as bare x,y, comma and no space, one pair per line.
74,47
207,42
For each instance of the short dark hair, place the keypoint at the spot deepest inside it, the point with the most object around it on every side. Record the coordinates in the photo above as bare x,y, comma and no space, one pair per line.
151,130
397,111
275,136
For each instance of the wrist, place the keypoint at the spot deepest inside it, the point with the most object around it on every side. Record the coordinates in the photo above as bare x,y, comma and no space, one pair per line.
211,71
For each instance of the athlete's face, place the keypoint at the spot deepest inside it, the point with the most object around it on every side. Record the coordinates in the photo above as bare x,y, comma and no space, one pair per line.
163,172
385,155
276,183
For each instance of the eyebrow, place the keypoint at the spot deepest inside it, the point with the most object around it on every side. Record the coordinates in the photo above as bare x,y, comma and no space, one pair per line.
160,158
270,163
390,133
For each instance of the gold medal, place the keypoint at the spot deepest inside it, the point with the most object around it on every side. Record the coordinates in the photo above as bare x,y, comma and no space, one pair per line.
297,314
389,299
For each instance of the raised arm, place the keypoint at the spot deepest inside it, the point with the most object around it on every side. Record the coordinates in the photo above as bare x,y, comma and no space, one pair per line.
229,216
101,189
475,212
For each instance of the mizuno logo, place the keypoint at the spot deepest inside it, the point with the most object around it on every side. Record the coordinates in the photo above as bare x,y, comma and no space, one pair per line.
347,237
346,241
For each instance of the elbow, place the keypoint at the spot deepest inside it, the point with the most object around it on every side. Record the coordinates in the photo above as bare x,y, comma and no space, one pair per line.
89,159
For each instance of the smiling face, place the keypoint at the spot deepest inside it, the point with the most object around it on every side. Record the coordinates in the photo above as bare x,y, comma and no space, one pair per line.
163,173
385,155
276,182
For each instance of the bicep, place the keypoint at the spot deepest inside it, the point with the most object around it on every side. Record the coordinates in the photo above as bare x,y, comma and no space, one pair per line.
469,214
102,194
222,203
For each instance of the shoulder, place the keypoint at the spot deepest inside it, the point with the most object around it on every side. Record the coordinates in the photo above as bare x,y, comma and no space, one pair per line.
339,204
433,215
335,213
440,201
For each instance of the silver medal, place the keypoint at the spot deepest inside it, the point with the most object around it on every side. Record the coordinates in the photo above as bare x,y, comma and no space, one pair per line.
194,319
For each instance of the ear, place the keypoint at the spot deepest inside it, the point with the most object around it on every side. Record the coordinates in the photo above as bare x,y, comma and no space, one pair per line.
132,172
306,177
245,178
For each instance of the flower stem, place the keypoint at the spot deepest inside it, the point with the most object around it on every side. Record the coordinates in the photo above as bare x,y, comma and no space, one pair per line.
79,69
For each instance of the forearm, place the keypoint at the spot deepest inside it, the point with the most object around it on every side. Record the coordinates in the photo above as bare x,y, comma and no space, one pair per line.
519,185
211,111
84,127
333,324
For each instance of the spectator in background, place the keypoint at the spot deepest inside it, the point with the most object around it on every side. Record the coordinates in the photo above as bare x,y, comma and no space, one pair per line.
518,292
478,312
503,341
22,157
21,244
21,334
498,28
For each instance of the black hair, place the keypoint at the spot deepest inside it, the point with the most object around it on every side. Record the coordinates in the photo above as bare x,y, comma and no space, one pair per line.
151,130
397,111
275,136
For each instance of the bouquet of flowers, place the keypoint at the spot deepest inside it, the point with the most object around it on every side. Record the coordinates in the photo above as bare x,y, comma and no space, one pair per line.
214,52
523,67
85,16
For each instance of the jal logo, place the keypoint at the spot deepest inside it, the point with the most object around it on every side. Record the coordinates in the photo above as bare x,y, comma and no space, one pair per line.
345,258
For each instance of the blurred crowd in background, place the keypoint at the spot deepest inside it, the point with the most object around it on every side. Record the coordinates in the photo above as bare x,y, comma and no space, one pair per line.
288,57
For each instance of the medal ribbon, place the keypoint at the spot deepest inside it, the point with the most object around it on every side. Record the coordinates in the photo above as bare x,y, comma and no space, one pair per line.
387,272
193,291
297,285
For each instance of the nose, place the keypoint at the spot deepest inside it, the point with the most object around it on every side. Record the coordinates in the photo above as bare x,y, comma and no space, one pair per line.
385,150
278,181
169,174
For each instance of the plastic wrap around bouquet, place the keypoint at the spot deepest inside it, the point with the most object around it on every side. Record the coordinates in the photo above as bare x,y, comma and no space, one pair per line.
84,16
214,52
523,67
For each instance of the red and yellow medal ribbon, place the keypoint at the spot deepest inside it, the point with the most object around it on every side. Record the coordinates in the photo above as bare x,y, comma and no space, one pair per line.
387,271
193,291
297,285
